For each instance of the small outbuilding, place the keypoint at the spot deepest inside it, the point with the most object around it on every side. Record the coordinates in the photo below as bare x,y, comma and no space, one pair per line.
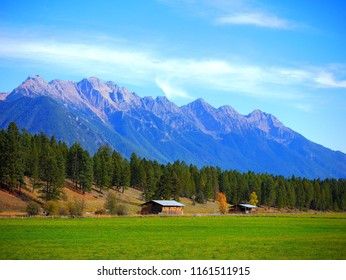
168,207
243,207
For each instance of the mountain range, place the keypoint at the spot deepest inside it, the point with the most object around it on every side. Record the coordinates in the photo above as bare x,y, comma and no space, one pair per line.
93,112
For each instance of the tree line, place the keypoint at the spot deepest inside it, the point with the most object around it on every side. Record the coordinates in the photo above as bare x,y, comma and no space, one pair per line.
48,162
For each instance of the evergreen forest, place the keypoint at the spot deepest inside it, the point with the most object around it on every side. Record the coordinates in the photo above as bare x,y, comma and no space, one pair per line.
48,163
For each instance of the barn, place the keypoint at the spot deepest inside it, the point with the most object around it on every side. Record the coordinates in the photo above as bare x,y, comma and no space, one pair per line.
246,208
168,207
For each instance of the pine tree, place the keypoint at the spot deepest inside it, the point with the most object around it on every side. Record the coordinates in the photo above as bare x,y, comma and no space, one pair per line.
33,171
225,186
3,152
86,172
151,183
26,152
74,163
117,162
13,158
103,168
135,170
125,175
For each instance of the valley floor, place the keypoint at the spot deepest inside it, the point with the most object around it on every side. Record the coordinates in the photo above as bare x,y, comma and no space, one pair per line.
274,237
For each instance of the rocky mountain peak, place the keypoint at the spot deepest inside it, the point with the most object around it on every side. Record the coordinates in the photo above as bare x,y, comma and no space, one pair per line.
35,78
94,83
228,110
126,96
162,100
200,105
114,87
33,86
3,95
157,128
163,106
257,116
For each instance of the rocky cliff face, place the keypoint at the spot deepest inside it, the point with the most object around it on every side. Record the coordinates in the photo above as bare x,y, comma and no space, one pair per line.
94,112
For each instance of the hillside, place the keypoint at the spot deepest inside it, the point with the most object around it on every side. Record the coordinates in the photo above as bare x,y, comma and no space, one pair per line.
93,112
15,204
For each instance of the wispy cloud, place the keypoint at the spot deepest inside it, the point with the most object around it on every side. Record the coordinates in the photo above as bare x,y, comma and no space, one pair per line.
255,19
235,12
170,91
327,79
175,76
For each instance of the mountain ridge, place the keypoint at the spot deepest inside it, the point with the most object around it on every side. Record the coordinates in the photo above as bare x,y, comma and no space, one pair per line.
198,133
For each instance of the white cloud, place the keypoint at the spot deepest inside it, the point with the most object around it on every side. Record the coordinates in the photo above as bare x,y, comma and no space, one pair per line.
255,19
328,80
170,91
174,76
234,12
305,107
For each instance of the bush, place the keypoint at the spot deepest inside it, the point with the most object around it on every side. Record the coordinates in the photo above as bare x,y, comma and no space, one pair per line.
111,203
52,208
63,209
33,208
113,206
121,210
76,207
101,212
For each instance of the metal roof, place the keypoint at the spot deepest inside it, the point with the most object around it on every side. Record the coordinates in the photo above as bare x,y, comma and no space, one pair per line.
166,203
248,205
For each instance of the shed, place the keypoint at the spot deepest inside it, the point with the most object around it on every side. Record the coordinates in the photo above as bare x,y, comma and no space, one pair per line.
170,207
243,207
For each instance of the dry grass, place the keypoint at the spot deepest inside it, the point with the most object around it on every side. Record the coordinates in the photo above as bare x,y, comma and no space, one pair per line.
15,204
94,200
11,203
210,207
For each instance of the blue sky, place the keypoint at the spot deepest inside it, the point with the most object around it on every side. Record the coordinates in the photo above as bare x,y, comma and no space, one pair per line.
287,58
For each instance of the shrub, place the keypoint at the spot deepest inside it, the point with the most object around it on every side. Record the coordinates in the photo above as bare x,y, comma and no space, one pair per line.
100,212
121,210
52,208
63,209
63,196
111,203
76,207
33,208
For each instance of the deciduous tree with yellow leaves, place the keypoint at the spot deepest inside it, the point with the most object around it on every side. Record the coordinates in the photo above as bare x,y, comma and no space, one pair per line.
253,199
221,198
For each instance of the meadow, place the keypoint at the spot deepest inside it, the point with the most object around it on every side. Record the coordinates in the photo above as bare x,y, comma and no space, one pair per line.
276,237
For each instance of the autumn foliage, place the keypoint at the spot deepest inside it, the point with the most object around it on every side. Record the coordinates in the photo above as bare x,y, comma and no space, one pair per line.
221,198
253,199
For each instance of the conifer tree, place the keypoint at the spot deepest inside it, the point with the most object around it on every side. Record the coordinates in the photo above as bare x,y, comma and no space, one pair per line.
50,172
13,158
33,170
117,168
86,172
103,167
3,152
125,175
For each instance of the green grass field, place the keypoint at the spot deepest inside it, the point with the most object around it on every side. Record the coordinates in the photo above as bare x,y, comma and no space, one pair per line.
135,238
